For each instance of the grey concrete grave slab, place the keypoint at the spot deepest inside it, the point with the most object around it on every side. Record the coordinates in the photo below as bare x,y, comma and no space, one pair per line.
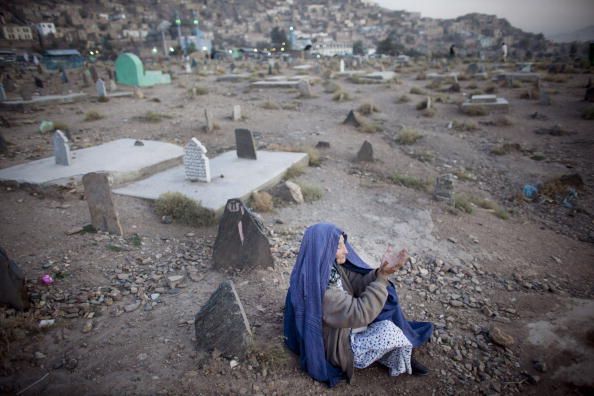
483,99
442,77
380,75
275,84
39,100
234,77
501,105
121,158
231,177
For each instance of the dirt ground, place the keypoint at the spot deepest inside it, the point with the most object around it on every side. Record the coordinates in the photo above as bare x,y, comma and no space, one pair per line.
522,267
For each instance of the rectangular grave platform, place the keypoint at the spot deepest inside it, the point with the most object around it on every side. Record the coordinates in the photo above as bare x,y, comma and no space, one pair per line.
121,158
499,105
231,177
380,75
483,99
442,77
41,100
518,76
275,84
234,77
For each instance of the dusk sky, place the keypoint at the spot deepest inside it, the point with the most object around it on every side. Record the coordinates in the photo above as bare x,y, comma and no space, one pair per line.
538,16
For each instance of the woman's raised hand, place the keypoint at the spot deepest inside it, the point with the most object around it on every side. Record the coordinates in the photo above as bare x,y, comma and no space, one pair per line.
393,262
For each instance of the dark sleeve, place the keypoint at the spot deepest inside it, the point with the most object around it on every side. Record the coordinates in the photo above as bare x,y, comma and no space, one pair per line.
360,281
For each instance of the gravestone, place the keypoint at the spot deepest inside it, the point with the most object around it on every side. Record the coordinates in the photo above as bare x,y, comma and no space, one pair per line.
138,93
61,149
444,188
236,116
209,121
2,93
323,145
365,152
473,68
304,89
3,144
428,102
196,163
483,99
12,283
112,86
86,79
222,324
342,65
241,242
98,195
100,87
290,192
352,119
245,144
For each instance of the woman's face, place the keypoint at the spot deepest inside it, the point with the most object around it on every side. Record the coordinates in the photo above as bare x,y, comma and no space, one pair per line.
341,251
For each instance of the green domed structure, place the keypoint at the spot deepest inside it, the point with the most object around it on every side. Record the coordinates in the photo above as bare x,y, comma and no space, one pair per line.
130,71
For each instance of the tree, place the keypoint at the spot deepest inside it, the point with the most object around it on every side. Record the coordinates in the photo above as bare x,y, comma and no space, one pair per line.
388,46
358,48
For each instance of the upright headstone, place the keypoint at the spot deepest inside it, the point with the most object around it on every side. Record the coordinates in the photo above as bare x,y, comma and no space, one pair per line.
241,240
112,86
100,87
245,144
2,92
188,66
304,89
98,195
85,79
196,162
222,324
209,121
342,65
61,149
12,283
138,93
365,152
236,116
444,188
352,119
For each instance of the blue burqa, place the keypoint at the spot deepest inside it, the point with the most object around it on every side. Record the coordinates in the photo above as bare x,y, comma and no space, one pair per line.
303,307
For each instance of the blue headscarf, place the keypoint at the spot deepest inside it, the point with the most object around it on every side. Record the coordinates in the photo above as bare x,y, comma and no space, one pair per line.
303,326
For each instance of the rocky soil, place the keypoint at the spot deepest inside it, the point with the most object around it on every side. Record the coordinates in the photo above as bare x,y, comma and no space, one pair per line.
508,287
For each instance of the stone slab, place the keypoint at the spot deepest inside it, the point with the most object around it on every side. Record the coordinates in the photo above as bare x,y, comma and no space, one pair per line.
121,94
47,99
501,105
104,216
240,178
519,76
380,75
234,77
275,84
442,77
121,158
483,99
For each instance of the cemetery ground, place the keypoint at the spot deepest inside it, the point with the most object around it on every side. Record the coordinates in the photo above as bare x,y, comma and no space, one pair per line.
507,281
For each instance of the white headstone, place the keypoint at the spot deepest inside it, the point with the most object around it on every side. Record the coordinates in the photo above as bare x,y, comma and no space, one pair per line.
2,92
304,88
196,162
236,113
342,65
188,67
61,149
100,87
112,86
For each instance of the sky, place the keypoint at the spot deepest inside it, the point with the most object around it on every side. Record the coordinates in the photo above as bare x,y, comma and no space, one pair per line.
537,16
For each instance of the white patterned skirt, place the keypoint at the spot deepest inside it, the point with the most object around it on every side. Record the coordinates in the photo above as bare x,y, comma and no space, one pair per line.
384,342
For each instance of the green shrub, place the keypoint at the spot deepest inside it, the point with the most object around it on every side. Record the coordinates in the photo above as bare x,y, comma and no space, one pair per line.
410,181
368,108
153,117
184,209
93,116
465,126
403,99
408,136
417,91
310,192
261,201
